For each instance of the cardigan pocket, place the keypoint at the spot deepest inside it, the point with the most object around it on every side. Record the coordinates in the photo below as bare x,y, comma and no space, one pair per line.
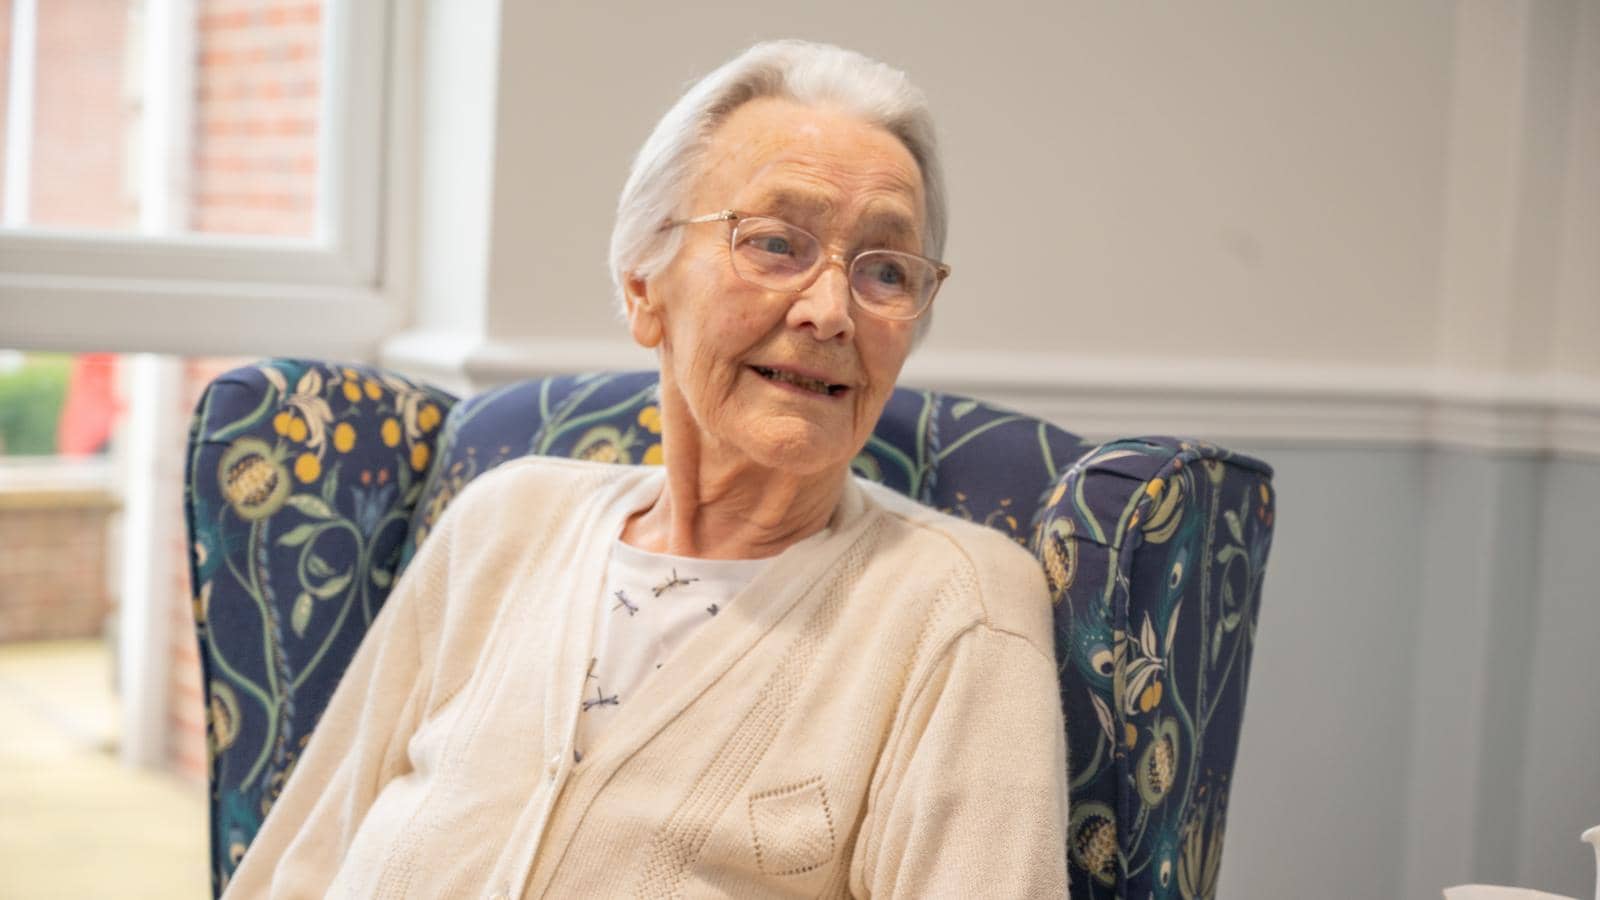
792,828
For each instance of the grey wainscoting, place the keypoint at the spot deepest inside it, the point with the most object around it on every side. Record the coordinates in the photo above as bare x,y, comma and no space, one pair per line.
1559,784
1423,706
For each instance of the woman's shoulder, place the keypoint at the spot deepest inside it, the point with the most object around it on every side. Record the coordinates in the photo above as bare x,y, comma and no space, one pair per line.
496,528
537,483
988,550
1000,582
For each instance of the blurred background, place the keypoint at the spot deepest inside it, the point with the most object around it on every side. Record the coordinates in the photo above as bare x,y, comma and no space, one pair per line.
1360,240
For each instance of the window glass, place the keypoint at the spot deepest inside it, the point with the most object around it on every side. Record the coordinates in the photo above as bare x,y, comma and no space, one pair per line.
162,117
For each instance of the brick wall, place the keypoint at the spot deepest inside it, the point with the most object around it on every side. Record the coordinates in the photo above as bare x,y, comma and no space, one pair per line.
5,79
186,694
258,87
81,116
53,567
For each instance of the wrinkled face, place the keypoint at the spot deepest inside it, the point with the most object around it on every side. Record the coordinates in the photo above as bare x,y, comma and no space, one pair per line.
784,380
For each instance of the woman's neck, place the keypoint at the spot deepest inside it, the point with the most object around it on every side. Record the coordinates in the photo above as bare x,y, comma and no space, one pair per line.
730,511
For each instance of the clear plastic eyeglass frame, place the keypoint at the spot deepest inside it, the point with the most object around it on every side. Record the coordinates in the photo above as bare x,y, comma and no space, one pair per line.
792,284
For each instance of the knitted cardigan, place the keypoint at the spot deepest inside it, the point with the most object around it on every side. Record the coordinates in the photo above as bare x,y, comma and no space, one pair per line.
876,715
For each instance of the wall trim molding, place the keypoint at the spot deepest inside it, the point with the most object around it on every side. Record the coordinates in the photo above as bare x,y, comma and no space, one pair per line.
1233,402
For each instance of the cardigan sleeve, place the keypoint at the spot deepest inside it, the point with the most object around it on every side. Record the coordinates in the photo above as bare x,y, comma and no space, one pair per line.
976,801
358,746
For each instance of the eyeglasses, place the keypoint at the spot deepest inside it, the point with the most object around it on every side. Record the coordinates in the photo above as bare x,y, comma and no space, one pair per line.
770,253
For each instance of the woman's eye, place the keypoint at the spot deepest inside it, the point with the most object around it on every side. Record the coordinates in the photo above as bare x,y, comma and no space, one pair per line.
883,273
775,244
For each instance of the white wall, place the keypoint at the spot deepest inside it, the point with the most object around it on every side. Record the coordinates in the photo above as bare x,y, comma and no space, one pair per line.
1241,197
1232,180
1522,201
1361,237
1577,316
1112,166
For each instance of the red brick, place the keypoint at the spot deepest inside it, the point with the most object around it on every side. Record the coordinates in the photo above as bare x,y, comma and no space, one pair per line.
53,576
5,74
78,176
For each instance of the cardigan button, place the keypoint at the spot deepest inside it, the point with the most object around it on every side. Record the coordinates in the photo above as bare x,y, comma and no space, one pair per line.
553,767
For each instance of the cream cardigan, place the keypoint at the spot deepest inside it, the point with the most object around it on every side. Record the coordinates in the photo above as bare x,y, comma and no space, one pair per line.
876,716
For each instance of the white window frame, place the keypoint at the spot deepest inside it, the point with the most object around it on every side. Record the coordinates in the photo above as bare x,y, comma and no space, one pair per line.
334,294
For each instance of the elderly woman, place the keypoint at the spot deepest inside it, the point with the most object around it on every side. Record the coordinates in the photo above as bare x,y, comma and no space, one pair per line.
745,673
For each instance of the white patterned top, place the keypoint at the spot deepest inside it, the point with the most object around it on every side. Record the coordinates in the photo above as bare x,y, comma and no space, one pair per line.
652,602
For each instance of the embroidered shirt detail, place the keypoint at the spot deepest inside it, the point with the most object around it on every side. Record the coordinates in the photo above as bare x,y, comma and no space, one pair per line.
652,604
600,699
670,583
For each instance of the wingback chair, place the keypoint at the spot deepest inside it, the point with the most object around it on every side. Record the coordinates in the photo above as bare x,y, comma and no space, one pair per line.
310,485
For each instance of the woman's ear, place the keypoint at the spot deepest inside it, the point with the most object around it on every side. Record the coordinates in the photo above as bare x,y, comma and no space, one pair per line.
644,313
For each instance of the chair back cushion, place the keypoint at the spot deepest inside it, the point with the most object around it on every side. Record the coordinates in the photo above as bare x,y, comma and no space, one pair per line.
952,453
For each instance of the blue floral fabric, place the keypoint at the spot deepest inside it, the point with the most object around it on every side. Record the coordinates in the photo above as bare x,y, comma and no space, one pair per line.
301,478
306,495
1154,550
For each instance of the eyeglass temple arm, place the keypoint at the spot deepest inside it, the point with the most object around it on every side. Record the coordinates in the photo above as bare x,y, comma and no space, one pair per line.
723,216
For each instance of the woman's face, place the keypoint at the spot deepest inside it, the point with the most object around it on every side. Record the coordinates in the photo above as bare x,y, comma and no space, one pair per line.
722,339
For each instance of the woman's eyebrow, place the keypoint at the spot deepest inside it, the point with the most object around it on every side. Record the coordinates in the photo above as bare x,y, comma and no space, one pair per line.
882,223
887,223
795,203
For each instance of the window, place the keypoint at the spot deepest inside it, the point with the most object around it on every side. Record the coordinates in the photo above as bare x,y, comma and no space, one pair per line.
194,176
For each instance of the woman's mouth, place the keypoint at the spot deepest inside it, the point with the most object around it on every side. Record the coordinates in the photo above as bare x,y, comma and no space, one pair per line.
813,385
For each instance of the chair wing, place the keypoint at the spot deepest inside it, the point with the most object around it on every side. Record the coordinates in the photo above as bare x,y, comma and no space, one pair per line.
301,478
1154,550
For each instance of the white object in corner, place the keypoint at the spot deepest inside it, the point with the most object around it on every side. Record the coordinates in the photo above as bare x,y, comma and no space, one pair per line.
1494,892
1593,837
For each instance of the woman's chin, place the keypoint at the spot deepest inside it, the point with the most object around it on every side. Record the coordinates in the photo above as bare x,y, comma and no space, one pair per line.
796,446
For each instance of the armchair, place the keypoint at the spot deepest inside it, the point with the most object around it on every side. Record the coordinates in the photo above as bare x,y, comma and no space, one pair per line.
310,485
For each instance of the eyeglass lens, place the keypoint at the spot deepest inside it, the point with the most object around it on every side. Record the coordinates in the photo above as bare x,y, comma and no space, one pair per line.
776,255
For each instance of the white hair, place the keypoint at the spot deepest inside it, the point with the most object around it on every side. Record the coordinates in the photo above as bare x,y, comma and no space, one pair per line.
808,73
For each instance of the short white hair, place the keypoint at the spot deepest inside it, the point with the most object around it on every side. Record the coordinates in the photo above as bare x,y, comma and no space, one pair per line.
807,73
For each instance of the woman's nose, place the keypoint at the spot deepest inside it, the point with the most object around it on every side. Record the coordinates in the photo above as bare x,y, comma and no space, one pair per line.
824,306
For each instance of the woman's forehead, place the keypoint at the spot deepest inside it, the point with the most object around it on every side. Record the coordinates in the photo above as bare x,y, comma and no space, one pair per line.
782,158
877,213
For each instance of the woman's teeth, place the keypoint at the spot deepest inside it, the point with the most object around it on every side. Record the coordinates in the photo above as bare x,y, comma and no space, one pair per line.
810,384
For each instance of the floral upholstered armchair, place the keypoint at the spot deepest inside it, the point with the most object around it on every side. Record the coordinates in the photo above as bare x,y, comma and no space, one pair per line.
310,486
